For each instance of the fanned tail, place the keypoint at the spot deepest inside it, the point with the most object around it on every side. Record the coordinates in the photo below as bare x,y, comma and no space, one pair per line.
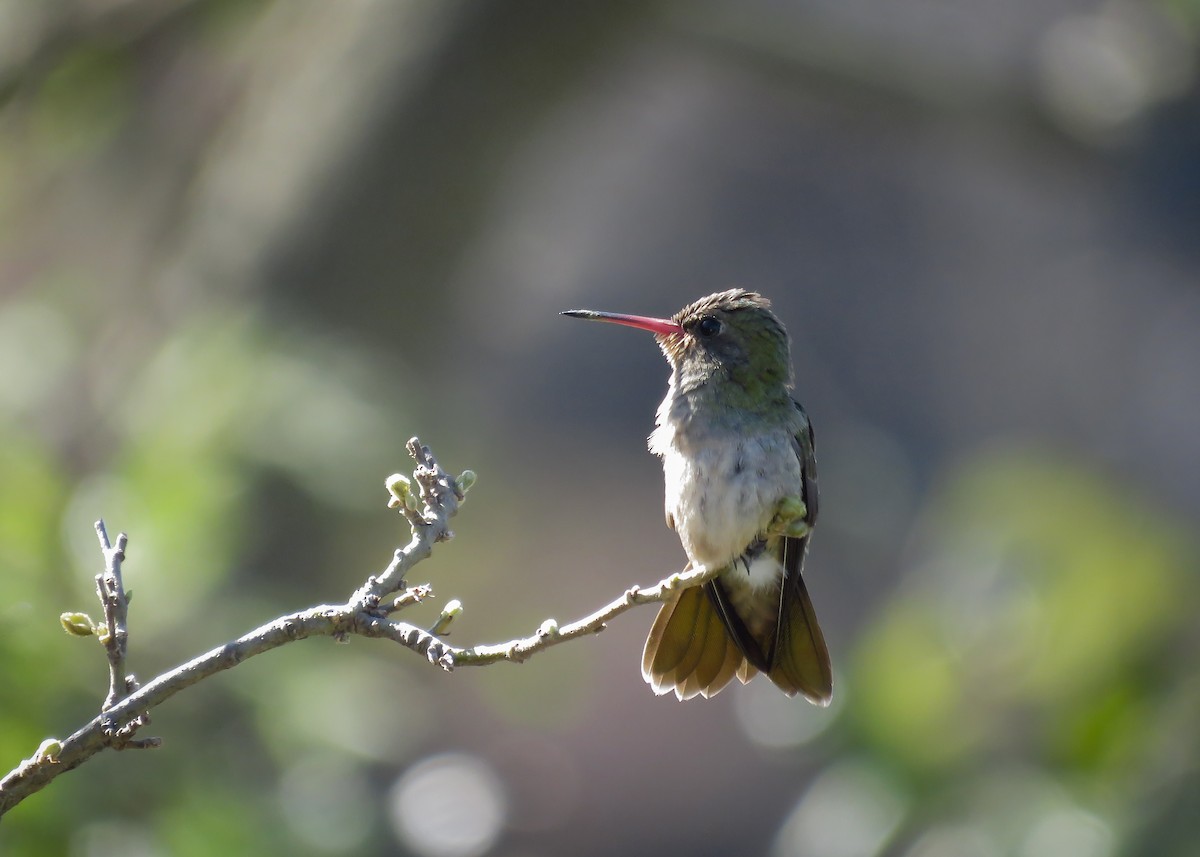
688,650
707,635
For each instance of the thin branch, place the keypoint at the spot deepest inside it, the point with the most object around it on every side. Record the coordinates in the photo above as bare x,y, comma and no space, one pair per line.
428,511
550,633
441,496
125,709
115,603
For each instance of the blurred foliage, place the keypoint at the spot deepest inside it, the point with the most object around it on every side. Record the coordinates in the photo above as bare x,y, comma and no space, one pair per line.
82,104
1037,647
188,439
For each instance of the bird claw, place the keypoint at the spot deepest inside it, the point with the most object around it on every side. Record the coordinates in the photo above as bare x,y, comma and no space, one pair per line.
790,519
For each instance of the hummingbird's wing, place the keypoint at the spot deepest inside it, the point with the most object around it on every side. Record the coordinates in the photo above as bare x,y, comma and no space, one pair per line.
799,657
806,447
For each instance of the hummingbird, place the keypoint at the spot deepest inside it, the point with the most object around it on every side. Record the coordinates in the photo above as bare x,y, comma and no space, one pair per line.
741,494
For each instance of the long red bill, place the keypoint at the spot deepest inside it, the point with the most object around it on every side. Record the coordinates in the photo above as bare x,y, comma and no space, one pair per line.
660,326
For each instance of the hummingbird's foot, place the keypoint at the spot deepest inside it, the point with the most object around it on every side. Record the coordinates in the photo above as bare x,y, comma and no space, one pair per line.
789,520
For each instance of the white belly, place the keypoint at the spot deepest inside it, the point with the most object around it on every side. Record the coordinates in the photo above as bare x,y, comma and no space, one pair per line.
721,496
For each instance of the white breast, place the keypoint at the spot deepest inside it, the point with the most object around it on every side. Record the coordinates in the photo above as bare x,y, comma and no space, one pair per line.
721,495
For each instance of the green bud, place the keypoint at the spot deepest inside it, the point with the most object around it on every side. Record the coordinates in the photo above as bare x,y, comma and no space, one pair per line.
452,609
412,502
400,488
466,480
48,750
549,628
78,624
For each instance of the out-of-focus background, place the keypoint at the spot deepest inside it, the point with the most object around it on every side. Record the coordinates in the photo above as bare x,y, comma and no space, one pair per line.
248,248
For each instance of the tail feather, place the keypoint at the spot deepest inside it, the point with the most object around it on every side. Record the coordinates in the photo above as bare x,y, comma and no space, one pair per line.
705,642
746,671
688,650
669,639
717,667
728,669
699,644
800,659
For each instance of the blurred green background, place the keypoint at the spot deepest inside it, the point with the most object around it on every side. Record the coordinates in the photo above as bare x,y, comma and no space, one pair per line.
248,248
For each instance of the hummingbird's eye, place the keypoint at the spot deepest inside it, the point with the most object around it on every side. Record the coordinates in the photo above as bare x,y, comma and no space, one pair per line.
708,327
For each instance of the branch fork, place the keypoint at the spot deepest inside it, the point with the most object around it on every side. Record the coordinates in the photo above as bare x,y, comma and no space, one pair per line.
427,501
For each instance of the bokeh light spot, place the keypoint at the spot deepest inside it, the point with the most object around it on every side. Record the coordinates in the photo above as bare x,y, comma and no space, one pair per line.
105,838
450,805
1068,831
326,803
775,722
850,810
955,841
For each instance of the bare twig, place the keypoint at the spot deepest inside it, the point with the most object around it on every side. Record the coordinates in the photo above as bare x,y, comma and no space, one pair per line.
366,614
111,591
412,595
441,496
114,726
550,633
125,708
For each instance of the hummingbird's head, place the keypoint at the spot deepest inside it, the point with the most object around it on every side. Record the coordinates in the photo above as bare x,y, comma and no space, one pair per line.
728,336
731,334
